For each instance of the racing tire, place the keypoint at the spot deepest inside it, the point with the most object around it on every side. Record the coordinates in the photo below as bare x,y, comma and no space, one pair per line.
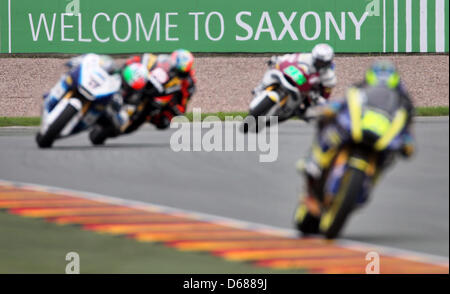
98,135
334,219
46,140
251,121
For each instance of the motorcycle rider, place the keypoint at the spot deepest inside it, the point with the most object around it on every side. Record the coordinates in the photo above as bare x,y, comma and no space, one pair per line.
382,89
170,78
320,62
113,111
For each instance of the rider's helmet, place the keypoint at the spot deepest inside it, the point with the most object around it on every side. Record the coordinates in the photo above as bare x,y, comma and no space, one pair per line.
135,75
182,61
322,55
383,73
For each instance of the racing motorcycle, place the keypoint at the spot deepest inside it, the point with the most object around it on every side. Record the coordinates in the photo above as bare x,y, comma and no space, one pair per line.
345,186
291,88
91,91
140,109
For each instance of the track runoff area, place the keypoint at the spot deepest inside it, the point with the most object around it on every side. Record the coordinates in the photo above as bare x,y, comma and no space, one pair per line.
233,240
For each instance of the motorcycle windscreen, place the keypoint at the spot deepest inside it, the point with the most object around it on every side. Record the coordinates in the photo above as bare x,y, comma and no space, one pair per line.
94,82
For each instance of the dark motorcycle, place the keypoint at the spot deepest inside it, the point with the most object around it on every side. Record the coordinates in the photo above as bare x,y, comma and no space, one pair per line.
355,168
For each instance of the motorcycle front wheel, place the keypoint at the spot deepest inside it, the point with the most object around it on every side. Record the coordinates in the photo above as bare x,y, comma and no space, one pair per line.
46,140
250,123
335,217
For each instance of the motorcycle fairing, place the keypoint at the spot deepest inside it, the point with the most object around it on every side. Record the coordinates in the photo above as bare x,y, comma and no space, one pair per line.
371,125
94,82
298,75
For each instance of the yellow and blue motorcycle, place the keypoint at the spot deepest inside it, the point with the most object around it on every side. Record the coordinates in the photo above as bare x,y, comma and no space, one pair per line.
374,121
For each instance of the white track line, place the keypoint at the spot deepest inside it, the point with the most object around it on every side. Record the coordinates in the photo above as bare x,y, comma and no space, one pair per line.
276,231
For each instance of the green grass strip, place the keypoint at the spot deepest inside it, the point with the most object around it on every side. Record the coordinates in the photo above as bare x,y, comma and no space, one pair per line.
432,111
34,121
220,115
19,121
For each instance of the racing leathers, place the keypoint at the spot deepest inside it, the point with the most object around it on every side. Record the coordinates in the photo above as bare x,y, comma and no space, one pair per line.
169,89
113,111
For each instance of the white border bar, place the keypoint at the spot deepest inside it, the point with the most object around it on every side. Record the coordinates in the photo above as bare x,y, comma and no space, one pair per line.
395,25
384,25
0,35
423,26
9,26
408,26
440,25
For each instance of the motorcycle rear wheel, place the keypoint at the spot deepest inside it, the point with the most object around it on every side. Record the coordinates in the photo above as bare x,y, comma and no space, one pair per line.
98,136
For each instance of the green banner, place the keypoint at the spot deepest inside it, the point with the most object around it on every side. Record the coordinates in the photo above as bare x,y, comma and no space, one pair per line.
106,26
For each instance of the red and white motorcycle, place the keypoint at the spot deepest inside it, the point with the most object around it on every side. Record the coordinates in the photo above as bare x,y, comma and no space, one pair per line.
290,89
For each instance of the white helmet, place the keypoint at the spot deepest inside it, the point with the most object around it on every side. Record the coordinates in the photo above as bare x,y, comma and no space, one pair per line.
322,55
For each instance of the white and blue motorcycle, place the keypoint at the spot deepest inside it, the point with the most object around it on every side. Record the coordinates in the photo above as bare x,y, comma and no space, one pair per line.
80,100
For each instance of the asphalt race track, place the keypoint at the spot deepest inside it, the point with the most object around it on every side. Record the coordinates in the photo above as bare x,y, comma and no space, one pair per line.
408,210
